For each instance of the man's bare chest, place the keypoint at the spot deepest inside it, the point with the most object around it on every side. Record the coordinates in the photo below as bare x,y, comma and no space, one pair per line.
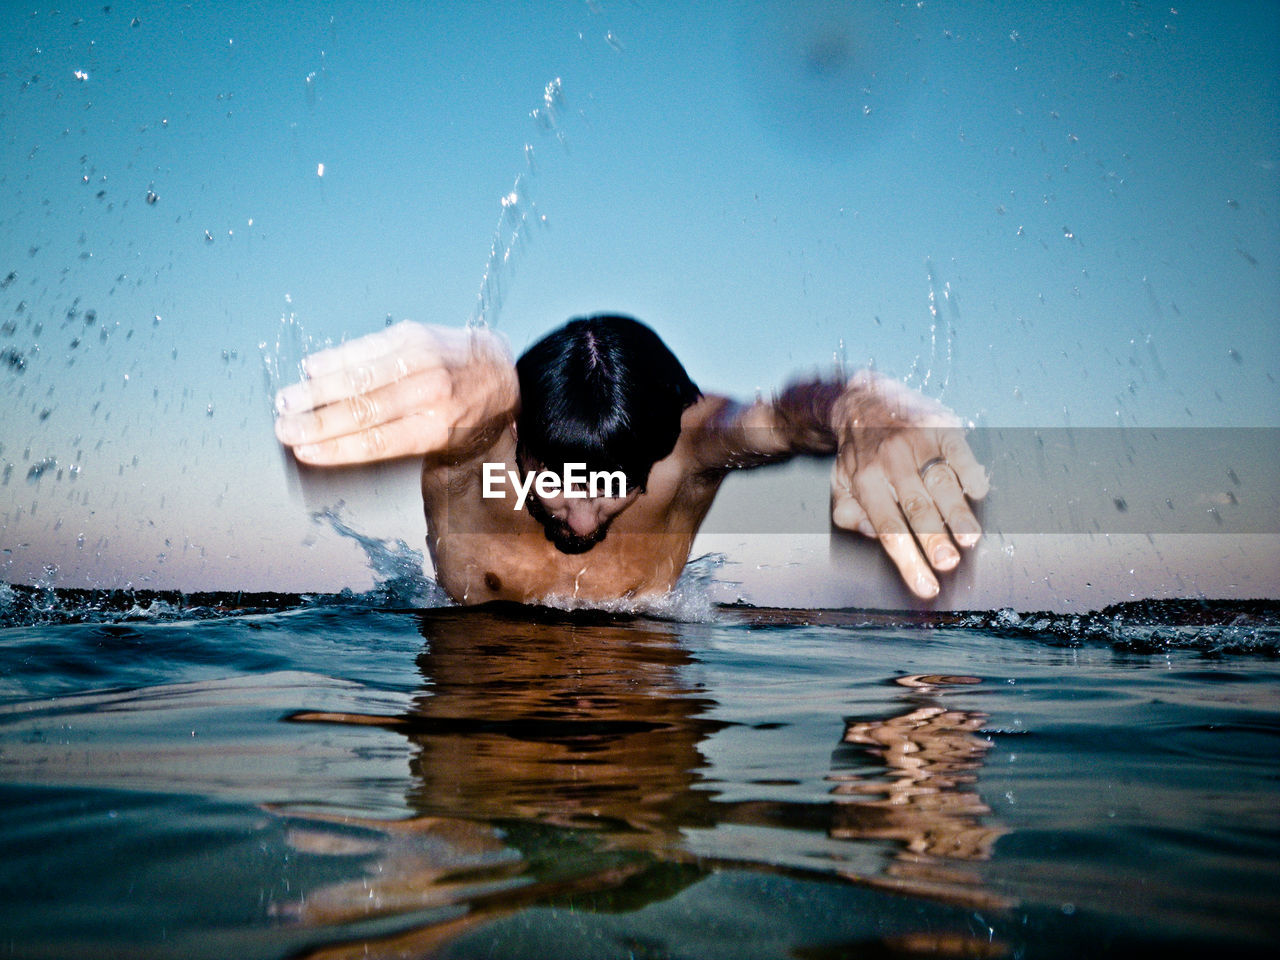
525,567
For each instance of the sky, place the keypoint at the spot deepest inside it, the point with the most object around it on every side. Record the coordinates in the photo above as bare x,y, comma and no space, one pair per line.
1052,218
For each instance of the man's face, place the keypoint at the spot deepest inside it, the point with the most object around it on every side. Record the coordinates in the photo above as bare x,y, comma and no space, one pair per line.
574,524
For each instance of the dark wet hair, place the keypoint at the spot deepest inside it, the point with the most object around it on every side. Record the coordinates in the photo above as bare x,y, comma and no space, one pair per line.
604,391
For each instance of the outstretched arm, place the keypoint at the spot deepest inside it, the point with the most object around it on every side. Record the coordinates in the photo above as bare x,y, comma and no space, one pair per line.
902,473
408,390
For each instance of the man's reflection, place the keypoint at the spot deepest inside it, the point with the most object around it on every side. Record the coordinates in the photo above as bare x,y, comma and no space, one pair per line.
922,796
558,760
586,722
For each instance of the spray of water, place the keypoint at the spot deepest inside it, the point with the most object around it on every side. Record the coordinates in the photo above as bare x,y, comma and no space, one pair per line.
689,601
282,358
518,215
399,577
944,315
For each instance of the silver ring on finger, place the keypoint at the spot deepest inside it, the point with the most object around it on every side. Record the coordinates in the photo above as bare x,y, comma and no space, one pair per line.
930,464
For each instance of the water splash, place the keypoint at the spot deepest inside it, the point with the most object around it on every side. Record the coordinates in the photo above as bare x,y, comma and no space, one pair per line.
547,116
936,377
398,569
282,360
519,214
1215,628
689,601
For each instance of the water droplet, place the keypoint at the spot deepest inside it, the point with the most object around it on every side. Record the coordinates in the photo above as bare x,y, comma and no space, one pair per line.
40,468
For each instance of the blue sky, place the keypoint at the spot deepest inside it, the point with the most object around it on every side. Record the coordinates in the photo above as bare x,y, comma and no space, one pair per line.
1049,216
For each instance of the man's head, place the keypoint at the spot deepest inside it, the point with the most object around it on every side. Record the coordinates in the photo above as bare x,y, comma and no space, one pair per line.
606,392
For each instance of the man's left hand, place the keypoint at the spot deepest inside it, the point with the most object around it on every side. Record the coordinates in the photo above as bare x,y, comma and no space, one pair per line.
905,474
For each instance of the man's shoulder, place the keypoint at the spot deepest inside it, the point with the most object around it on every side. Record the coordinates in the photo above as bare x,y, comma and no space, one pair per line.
715,433
684,472
709,416
459,469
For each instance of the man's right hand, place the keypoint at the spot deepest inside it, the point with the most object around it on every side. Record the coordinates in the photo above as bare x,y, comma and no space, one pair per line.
403,391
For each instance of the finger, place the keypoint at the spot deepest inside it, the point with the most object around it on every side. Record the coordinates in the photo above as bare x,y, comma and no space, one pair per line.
918,507
846,511
363,365
943,486
353,380
876,494
374,346
430,389
972,475
407,436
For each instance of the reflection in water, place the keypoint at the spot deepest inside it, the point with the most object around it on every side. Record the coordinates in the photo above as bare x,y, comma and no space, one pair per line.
923,798
558,762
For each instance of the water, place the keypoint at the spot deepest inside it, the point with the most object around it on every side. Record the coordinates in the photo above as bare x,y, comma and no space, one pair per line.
278,776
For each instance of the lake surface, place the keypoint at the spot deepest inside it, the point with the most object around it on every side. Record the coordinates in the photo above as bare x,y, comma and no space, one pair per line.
328,777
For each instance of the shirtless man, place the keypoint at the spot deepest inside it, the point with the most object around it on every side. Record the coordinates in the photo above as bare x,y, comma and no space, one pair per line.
584,469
